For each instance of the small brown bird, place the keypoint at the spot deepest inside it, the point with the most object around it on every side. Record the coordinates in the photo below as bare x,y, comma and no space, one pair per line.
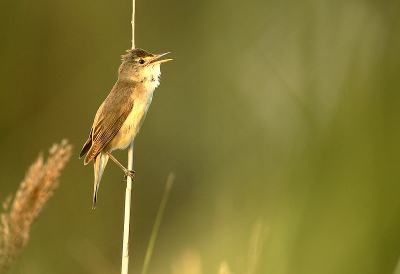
120,116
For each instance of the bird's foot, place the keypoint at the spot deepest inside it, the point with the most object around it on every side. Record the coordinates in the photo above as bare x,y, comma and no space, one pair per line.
130,174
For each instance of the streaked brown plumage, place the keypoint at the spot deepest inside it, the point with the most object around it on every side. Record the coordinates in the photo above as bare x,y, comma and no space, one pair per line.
120,116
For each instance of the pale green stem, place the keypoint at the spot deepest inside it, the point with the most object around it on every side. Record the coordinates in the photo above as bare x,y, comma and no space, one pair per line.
156,226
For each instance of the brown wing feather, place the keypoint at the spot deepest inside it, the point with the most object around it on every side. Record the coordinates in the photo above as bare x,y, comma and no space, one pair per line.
87,145
103,137
109,119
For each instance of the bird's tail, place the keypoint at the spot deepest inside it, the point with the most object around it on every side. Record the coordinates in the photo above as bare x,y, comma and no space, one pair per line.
100,162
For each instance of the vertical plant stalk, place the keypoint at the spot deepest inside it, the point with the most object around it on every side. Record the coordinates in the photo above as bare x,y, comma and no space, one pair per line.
133,25
128,191
157,223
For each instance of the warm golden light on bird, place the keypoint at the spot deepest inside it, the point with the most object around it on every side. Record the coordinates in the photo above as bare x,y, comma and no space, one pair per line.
120,116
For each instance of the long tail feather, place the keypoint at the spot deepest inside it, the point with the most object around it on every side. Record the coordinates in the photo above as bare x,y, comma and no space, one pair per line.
100,162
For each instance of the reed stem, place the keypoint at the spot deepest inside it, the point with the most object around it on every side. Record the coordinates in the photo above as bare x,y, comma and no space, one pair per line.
128,191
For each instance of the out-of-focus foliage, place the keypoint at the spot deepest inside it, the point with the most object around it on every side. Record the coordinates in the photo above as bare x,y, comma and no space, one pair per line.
281,120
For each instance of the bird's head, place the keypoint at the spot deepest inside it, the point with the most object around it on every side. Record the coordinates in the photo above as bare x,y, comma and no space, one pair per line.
140,65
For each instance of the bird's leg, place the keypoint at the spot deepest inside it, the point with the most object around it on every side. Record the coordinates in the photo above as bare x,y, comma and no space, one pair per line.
127,171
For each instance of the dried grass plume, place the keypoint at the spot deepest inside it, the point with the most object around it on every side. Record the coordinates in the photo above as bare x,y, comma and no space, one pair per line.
19,213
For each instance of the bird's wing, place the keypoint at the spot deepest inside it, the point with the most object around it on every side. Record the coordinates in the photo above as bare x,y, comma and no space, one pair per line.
109,120
87,145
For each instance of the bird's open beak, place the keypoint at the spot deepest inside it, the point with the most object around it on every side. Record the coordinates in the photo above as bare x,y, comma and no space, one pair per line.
158,56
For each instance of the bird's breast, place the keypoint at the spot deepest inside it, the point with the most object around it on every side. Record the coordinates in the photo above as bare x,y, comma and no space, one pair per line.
132,123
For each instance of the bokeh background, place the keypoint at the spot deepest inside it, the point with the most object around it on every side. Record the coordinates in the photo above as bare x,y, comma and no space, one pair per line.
280,119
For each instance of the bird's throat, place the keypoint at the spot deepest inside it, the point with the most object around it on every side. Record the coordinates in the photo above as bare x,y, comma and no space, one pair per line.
151,79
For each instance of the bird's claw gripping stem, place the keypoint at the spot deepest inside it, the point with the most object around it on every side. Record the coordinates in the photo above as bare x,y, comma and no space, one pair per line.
130,174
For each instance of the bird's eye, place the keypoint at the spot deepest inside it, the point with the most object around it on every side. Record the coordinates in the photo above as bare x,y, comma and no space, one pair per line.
141,61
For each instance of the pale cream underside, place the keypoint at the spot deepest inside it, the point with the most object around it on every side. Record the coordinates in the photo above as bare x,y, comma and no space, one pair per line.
135,119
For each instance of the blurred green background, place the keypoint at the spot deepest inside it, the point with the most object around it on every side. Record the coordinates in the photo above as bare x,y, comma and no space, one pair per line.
281,120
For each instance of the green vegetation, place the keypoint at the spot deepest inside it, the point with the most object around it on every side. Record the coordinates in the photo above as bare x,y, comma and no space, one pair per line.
280,119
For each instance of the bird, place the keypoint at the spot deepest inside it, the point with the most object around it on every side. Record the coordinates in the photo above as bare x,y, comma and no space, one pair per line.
122,113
